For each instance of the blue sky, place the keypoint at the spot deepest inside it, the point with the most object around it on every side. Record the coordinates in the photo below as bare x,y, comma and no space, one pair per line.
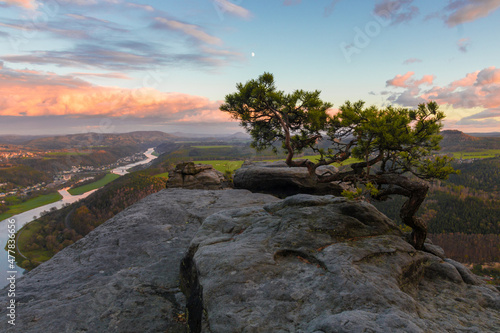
73,66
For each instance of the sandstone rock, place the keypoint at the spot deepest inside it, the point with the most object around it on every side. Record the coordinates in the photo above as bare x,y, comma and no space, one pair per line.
123,276
196,176
325,264
304,264
278,179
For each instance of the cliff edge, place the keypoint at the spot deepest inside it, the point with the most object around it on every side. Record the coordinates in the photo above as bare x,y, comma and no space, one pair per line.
234,261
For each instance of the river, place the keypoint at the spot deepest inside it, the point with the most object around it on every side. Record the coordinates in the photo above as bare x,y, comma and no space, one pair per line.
123,169
30,215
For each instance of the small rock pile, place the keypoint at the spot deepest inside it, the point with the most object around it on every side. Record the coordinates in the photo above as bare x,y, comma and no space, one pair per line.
197,176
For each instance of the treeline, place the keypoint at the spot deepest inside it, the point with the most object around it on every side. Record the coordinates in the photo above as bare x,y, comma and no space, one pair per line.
110,201
481,174
23,176
462,213
452,207
451,212
64,227
469,248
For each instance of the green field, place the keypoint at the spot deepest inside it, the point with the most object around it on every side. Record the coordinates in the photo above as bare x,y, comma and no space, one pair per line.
92,186
31,204
211,147
487,153
162,175
226,165
22,241
223,165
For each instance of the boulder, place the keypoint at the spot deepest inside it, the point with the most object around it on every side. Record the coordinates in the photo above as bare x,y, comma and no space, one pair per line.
196,176
123,276
325,264
279,179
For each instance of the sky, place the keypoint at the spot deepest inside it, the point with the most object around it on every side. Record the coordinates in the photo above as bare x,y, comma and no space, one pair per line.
114,66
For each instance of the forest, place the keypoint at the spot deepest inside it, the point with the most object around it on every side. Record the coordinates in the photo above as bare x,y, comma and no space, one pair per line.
465,209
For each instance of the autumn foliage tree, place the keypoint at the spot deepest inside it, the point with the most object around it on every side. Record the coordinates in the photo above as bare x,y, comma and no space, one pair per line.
395,146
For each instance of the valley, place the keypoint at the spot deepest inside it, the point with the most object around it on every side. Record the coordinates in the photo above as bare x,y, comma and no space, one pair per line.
461,209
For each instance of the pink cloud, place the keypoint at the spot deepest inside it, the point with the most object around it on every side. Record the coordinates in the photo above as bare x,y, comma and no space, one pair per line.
426,79
30,4
227,6
470,10
405,81
468,80
400,80
32,93
487,76
478,89
121,76
189,29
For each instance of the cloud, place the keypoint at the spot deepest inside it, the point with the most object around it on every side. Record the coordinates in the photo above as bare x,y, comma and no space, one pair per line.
400,80
36,94
472,125
86,18
463,11
86,42
480,89
405,81
463,45
147,8
411,61
226,6
487,76
396,11
331,7
30,4
426,79
121,76
90,56
191,30
486,114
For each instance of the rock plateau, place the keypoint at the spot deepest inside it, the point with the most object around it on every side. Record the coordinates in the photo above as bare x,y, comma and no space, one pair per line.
235,261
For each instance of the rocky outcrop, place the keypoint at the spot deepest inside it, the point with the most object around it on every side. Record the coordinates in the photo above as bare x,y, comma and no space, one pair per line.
279,179
324,264
124,276
196,176
245,262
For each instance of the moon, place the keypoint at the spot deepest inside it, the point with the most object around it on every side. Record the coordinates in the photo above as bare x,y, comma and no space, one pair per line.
253,54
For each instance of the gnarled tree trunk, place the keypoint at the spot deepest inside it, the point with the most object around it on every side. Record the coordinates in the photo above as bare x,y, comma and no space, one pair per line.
415,191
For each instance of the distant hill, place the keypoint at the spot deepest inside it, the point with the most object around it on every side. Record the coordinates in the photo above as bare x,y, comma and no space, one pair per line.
489,134
454,140
234,136
19,139
75,141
